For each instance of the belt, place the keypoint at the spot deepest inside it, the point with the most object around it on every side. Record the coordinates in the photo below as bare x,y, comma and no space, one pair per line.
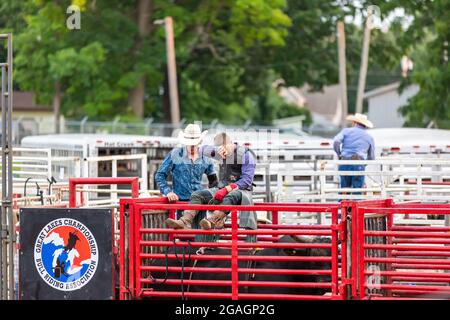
353,157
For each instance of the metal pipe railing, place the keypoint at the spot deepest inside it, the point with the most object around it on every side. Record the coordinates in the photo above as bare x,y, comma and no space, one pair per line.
73,182
7,232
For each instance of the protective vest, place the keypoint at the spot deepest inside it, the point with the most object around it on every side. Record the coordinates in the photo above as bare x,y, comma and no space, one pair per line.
230,169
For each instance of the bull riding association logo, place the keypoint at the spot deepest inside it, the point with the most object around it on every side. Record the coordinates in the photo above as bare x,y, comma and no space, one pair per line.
66,254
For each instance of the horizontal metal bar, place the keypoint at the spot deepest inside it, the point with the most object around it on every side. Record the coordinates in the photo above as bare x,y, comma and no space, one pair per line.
398,161
405,210
289,226
407,274
414,287
420,228
242,258
421,279
420,266
409,261
214,295
417,241
240,244
400,298
240,231
242,270
278,207
420,253
225,283
407,234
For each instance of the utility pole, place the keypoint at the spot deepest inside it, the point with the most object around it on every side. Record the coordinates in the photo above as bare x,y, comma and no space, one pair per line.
342,71
172,71
364,62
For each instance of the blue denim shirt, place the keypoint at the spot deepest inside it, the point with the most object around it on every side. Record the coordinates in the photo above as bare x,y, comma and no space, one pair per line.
355,140
186,174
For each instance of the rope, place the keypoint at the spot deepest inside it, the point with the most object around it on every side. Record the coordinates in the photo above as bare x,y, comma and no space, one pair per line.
182,266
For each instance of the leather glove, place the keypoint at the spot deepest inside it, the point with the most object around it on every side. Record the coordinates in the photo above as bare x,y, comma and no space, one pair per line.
224,191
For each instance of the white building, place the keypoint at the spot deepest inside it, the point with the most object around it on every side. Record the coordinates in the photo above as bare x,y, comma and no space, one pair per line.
384,104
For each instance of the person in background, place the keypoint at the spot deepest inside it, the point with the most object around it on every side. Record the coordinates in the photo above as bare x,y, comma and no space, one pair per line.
236,171
187,166
354,144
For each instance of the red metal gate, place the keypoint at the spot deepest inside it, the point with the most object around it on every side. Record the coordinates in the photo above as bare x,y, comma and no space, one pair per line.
379,258
142,247
414,263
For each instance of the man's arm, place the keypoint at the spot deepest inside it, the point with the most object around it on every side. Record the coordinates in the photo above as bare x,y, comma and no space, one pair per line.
210,152
248,171
162,173
337,141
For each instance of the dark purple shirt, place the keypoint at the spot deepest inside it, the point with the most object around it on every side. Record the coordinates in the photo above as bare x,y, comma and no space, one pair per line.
248,171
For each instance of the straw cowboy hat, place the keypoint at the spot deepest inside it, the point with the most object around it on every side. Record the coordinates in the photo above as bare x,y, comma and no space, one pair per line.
360,118
192,135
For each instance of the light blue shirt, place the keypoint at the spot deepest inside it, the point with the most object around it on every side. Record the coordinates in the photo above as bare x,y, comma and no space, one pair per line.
354,140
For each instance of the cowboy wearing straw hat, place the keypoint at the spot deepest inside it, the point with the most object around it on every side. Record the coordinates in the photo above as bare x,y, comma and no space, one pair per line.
187,166
354,144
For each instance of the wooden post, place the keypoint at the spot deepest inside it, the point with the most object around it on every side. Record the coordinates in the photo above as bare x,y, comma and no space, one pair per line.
342,71
364,63
172,71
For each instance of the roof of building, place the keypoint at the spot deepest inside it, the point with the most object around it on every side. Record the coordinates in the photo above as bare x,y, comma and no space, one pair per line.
382,90
25,101
325,103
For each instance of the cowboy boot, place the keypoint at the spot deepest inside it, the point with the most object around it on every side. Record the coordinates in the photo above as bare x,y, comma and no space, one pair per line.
215,221
184,222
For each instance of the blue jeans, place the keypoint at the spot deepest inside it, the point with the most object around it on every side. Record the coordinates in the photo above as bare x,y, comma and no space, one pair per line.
352,181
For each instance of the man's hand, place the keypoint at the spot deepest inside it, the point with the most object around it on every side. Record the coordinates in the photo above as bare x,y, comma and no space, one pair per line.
222,151
224,191
172,197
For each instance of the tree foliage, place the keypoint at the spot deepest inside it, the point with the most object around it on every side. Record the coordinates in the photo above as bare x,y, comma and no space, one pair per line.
228,54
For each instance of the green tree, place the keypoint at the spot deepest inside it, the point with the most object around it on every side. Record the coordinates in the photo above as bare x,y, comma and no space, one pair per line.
426,40
54,68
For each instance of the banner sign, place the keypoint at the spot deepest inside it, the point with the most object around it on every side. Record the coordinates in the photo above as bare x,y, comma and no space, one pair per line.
66,254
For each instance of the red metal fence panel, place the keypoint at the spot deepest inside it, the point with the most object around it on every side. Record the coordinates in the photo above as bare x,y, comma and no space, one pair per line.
415,262
278,267
379,257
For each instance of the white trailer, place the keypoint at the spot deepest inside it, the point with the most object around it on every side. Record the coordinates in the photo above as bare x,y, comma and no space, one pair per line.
86,146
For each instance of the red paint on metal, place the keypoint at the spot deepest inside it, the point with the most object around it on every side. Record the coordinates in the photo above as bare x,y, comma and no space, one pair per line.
73,182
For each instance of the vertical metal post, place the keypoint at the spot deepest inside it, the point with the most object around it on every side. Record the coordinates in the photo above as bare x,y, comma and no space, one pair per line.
12,233
7,232
234,256
267,178
3,235
114,196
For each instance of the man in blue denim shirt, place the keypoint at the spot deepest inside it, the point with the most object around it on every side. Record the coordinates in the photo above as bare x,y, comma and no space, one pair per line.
187,167
354,144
